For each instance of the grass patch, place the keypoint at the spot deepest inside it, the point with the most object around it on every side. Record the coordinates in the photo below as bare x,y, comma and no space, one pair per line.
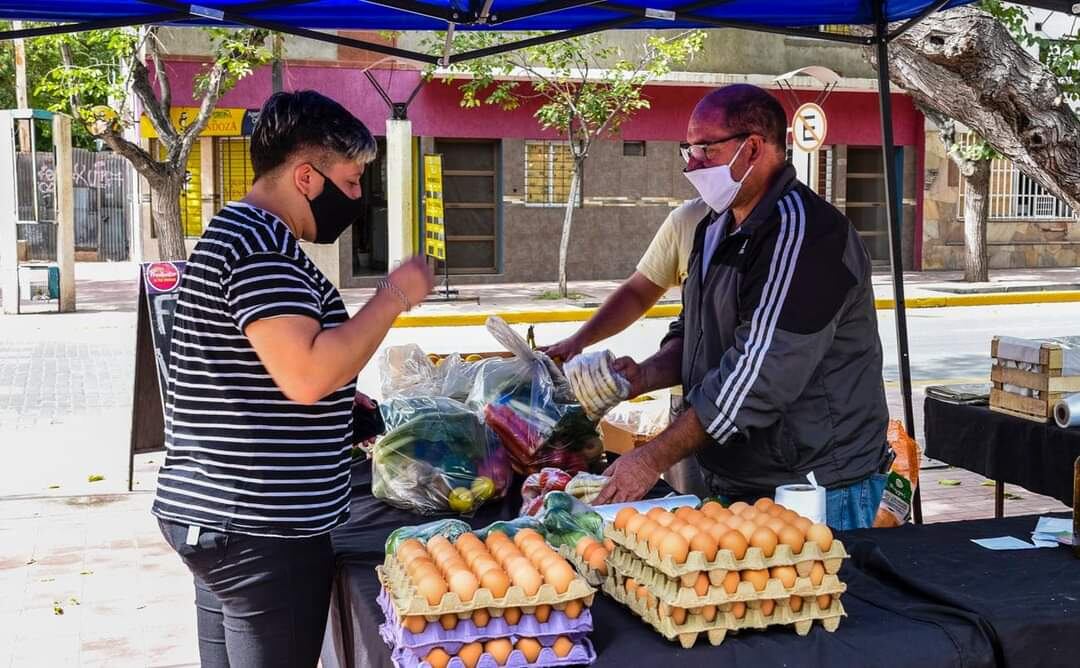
554,296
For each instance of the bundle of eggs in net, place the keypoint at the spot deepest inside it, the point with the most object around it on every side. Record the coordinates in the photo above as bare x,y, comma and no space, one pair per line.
499,601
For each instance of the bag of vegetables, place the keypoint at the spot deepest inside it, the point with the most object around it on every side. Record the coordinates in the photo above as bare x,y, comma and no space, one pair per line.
437,457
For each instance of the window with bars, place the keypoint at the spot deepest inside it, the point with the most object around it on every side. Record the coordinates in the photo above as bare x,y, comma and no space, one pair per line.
233,169
1014,195
549,166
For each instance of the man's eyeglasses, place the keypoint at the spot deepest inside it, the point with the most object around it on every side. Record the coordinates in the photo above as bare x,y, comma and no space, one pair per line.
700,152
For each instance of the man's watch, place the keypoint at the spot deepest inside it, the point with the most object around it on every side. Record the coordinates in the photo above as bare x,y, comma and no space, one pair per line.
388,285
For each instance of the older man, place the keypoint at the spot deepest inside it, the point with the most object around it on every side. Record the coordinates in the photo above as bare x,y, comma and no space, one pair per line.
777,346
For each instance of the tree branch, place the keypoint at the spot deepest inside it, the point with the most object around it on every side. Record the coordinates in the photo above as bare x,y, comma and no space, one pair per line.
159,118
154,46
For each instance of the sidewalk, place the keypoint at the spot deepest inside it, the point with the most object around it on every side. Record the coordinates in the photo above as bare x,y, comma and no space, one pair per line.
113,287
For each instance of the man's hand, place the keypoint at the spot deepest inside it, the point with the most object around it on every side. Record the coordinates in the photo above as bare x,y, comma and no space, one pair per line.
633,373
632,476
564,350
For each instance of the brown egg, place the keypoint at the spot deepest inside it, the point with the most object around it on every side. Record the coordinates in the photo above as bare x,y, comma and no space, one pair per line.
688,532
562,647
583,544
438,543
820,534
512,616
693,517
464,584
597,560
795,603
765,539
415,624
536,551
701,587
410,549
470,654
747,529
468,541
734,522
785,574
824,602
505,552
655,513
542,613
453,565
524,535
448,621
530,647
763,504
738,609
817,573
708,612
711,508
776,510
749,514
647,529
642,592
767,607
705,544
735,542
481,618
776,525
623,516
738,507
789,516
496,537
549,560
802,524
432,587
678,615
717,531
419,565
438,658
499,650
674,547
758,578
633,525
496,581
792,537
573,609
524,575
731,582
683,512
631,586
609,545
657,537
762,519
559,575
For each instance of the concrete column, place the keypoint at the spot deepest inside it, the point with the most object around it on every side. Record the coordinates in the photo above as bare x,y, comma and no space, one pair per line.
401,214
207,182
65,211
9,233
805,166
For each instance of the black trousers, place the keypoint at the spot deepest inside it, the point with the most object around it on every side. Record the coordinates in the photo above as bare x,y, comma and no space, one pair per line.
259,601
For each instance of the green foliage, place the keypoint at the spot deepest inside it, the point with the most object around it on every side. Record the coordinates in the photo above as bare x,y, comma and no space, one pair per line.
586,87
237,53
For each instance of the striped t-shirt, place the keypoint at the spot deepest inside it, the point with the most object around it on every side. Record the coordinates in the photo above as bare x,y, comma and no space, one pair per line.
240,456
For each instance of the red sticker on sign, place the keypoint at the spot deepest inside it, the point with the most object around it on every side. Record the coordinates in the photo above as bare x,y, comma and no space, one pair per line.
163,276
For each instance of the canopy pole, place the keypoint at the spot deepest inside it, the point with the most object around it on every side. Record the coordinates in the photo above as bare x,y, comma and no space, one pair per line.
894,218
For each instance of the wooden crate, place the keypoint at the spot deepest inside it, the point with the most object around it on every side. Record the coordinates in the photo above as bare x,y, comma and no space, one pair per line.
1047,378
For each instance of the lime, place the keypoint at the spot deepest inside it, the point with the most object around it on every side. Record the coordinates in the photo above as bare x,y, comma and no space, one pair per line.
461,500
483,488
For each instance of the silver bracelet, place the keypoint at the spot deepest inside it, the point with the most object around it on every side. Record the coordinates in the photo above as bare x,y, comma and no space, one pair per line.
387,284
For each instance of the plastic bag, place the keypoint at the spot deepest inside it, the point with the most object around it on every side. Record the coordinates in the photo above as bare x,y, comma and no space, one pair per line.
903,479
595,382
567,520
645,417
450,529
437,457
583,486
405,371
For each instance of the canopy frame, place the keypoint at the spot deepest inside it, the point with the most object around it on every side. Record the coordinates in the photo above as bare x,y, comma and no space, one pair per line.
482,13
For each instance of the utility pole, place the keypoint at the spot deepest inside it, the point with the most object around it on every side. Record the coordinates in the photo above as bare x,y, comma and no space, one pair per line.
22,100
276,69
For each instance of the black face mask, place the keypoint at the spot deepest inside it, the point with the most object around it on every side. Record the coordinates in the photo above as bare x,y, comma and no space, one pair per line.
333,210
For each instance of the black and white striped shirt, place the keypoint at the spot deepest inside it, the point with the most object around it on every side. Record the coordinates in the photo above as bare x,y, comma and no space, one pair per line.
241,457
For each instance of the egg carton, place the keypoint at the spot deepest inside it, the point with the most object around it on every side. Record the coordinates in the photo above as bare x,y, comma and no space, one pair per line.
593,577
673,592
466,631
582,653
725,560
409,602
696,626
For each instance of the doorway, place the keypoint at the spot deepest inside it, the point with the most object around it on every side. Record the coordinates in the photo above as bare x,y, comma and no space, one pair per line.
370,236
866,198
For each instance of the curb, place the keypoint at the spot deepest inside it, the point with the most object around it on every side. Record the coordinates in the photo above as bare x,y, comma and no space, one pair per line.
673,310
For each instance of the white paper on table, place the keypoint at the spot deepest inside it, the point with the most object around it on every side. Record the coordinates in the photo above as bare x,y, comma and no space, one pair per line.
1052,531
1003,543
608,511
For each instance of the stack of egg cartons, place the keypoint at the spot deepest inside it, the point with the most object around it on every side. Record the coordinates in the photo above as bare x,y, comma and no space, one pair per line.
484,603
707,572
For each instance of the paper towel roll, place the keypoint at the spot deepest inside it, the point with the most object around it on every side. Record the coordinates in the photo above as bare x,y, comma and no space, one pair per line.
807,500
1067,411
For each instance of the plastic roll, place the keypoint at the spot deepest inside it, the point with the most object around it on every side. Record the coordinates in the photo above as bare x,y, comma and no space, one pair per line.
807,500
1067,411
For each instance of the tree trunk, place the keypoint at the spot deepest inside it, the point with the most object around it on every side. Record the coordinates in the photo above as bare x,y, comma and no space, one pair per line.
976,212
165,205
965,64
568,219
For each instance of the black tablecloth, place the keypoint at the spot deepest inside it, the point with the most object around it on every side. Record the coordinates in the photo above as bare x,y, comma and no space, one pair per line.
917,597
1038,457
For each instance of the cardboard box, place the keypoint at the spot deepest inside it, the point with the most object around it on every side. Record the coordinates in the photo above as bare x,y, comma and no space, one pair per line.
620,440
